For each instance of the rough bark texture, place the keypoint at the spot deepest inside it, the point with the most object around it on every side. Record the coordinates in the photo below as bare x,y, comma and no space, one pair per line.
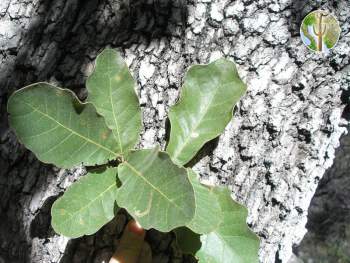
327,239
272,155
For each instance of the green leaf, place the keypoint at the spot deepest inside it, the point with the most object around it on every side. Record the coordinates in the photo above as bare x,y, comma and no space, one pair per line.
87,205
112,91
208,214
53,124
188,241
205,108
155,191
232,241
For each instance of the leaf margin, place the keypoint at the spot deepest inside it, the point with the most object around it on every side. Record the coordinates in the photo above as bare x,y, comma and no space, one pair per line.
76,102
69,192
90,92
181,98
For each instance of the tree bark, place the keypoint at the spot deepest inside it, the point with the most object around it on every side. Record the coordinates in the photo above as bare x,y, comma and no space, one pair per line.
272,155
329,213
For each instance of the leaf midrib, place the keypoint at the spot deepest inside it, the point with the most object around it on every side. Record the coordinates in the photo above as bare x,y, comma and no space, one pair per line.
71,215
112,105
222,237
191,223
154,187
178,152
69,129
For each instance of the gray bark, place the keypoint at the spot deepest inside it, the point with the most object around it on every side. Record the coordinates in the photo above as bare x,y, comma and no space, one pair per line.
327,239
272,155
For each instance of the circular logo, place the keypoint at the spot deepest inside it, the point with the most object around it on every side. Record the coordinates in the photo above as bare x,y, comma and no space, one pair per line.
320,31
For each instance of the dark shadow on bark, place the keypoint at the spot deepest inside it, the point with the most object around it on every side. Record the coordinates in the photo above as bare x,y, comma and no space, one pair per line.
98,246
345,98
20,175
300,8
167,131
206,150
329,213
83,28
63,37
41,224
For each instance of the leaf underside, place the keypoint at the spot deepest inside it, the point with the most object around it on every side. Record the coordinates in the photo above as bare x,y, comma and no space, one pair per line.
87,205
156,192
208,96
208,212
58,128
112,91
232,241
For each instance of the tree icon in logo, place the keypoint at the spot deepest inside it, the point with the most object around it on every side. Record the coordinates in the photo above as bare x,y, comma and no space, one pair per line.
320,31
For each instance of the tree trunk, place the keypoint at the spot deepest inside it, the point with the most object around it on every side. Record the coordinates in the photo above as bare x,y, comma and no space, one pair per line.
327,239
272,155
